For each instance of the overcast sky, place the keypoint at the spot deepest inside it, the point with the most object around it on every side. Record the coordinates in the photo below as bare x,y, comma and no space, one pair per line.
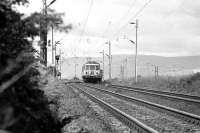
167,28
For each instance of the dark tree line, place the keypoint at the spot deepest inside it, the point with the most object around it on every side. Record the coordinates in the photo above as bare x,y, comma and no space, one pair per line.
23,106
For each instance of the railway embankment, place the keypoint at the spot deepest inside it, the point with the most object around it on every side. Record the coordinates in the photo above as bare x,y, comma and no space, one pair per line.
83,116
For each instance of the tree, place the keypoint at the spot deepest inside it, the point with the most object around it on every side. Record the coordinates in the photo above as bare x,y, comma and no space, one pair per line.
23,107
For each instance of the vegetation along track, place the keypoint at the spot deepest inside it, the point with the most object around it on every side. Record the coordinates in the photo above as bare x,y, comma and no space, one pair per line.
189,117
128,120
176,96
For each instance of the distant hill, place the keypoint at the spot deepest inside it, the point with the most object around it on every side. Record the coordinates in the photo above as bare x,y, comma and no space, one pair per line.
167,65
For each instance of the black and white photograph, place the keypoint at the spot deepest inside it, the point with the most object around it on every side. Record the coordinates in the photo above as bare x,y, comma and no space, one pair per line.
99,66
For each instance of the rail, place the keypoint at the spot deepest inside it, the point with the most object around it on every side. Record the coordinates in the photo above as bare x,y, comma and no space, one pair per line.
189,117
177,96
128,120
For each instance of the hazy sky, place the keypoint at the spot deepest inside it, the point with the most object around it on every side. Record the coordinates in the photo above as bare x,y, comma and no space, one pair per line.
166,27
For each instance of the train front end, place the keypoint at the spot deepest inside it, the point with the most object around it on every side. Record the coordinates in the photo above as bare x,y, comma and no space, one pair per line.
91,72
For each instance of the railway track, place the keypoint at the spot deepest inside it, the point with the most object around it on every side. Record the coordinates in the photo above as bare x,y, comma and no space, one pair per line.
125,118
189,117
176,96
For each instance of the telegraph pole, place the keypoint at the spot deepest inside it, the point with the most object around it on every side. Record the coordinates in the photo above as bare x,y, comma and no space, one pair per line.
122,71
60,63
103,63
136,45
75,69
60,58
52,46
109,60
136,42
56,57
156,72
43,36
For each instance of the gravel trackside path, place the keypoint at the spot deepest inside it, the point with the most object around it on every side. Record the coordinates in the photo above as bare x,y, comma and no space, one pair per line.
86,116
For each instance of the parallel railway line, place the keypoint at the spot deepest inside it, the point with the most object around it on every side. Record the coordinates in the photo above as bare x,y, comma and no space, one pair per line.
176,96
189,117
128,120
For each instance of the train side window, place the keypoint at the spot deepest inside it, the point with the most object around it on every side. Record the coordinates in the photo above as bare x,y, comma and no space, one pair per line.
87,67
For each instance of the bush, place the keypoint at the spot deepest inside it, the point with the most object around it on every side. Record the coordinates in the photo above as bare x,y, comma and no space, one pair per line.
23,106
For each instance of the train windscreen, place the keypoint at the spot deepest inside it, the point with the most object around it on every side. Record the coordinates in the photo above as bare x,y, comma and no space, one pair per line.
92,67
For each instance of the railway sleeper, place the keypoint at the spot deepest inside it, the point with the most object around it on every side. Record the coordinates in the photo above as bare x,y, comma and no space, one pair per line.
121,116
160,108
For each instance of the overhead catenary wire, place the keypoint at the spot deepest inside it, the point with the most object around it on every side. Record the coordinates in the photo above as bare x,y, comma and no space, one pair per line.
129,9
102,36
127,12
85,23
84,26
87,18
134,16
109,22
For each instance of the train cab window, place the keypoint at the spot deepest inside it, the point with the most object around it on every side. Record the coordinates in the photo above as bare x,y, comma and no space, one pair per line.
92,67
97,67
87,67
